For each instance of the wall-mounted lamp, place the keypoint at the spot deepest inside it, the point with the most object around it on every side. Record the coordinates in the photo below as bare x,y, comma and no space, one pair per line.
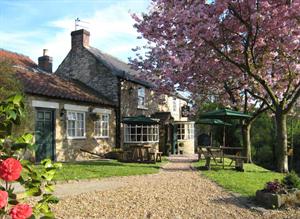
130,90
62,112
91,109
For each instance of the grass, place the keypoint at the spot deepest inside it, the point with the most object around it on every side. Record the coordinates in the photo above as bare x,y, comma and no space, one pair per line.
102,169
245,183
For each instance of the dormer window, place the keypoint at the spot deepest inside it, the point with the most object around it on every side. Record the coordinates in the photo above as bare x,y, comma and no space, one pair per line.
141,97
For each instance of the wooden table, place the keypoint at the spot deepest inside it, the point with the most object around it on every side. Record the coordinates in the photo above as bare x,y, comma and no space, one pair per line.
140,152
219,152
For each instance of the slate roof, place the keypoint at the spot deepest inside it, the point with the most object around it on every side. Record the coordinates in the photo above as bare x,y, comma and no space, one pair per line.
37,82
139,120
118,67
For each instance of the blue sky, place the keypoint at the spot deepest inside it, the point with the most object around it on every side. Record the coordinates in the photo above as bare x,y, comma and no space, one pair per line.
29,26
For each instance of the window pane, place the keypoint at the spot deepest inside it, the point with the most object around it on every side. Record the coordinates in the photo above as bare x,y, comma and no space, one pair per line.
40,115
47,115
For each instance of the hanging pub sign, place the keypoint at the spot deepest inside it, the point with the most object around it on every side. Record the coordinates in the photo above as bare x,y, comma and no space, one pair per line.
185,111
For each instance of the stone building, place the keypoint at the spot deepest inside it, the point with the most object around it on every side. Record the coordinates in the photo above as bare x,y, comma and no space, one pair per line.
65,116
140,117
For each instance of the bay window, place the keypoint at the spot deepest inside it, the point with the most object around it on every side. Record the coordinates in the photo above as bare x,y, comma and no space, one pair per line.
140,133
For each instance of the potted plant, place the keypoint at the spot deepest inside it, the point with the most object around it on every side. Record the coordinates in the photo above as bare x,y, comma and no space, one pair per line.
181,145
276,193
168,149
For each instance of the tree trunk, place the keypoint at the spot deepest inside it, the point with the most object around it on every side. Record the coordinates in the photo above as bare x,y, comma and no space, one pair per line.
246,127
281,141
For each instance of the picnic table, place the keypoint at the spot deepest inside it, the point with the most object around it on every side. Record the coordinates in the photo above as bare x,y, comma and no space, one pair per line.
141,153
218,155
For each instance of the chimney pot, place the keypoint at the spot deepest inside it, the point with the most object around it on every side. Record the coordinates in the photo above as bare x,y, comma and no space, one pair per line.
45,61
45,52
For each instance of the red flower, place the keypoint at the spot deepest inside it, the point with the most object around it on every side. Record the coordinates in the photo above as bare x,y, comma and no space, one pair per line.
20,211
3,198
10,169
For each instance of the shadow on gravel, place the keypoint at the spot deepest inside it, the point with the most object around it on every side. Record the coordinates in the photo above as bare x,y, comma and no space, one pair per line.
181,161
239,201
110,163
176,169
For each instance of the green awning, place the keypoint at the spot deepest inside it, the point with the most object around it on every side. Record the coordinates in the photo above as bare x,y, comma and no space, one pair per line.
212,122
224,114
140,120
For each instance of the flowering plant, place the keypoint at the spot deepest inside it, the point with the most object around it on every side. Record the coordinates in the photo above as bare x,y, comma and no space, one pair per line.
35,180
274,187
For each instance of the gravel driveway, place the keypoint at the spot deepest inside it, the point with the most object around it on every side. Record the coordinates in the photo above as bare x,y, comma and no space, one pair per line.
176,192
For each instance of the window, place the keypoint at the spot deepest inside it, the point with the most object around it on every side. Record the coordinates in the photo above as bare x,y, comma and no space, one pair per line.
141,97
141,133
174,104
75,124
185,131
101,126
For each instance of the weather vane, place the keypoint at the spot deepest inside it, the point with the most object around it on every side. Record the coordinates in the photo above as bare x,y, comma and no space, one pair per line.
78,24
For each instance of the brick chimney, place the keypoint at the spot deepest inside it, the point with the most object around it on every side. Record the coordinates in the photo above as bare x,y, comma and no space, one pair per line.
80,38
45,61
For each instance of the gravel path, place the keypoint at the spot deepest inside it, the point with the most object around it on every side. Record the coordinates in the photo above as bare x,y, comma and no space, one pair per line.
176,192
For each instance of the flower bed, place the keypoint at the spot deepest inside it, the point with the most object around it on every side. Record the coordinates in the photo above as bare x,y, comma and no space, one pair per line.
273,200
277,194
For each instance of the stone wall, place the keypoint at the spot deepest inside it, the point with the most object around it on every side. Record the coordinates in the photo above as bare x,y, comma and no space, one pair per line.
129,100
69,149
189,146
81,65
167,106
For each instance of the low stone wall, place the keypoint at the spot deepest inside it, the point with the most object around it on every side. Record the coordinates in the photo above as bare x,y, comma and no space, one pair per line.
189,146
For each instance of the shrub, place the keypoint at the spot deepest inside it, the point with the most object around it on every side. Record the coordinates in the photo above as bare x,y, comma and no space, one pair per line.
37,182
291,180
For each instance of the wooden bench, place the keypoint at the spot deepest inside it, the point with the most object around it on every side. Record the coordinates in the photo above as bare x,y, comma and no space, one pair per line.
210,152
239,161
158,156
154,156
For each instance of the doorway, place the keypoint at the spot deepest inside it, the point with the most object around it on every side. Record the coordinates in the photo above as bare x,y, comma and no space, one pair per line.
44,134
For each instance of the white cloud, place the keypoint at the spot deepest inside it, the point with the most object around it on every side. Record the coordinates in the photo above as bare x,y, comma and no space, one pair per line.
111,31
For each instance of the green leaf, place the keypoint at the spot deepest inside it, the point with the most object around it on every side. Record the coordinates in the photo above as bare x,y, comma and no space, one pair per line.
27,137
17,99
49,188
33,192
46,163
12,115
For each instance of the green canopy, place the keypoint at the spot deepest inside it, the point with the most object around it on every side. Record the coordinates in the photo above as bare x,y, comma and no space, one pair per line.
212,122
140,120
224,114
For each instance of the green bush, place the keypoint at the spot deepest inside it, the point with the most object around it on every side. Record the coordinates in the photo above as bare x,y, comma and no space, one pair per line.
291,180
37,182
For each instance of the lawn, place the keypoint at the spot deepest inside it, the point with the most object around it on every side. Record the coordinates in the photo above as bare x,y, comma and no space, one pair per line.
101,169
245,183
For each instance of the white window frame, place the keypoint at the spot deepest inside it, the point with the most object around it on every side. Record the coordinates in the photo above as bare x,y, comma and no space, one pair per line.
185,131
141,97
98,131
76,124
152,133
